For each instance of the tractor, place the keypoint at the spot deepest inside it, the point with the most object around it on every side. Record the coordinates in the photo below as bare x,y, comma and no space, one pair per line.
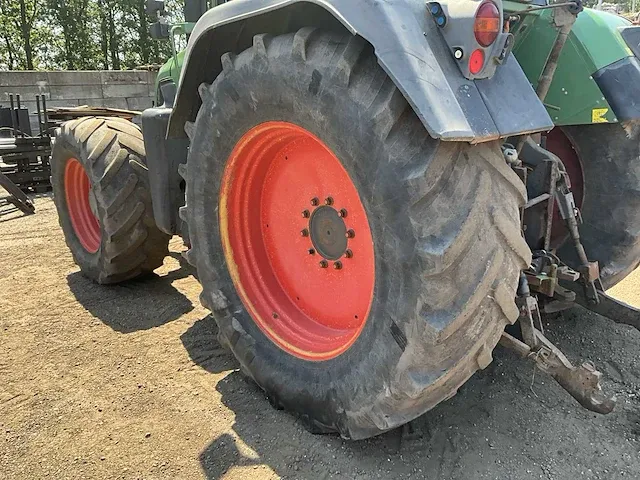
371,192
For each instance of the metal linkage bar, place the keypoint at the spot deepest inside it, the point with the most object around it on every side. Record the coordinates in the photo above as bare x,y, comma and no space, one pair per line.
582,383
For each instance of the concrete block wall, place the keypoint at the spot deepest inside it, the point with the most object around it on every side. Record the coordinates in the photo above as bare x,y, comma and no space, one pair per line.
131,90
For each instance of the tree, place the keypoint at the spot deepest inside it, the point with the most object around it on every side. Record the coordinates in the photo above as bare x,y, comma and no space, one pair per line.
80,34
25,24
77,22
16,23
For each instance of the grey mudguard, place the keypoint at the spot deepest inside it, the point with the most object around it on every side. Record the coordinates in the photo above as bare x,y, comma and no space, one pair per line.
408,45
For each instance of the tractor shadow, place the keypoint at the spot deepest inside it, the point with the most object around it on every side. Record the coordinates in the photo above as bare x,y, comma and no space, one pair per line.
505,422
201,343
433,446
135,305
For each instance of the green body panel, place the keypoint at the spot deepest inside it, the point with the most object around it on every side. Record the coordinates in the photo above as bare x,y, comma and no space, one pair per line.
171,69
595,42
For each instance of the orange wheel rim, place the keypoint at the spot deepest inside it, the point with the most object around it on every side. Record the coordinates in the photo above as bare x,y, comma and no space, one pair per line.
76,188
297,241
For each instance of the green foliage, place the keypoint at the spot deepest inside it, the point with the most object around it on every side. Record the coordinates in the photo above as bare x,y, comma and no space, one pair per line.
17,21
624,5
80,34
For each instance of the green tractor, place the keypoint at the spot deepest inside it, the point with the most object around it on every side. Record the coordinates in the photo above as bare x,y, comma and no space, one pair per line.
354,182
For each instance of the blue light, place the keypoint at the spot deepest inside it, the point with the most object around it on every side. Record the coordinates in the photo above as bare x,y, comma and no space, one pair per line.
435,8
440,21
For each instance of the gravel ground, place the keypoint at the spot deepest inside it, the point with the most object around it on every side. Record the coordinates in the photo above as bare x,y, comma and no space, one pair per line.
129,382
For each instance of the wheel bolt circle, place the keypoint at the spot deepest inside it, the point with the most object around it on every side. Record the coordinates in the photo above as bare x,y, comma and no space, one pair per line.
312,251
329,201
351,233
337,265
306,214
324,264
304,233
348,253
342,212
315,202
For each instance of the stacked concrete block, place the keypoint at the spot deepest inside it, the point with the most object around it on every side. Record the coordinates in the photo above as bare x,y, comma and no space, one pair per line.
131,90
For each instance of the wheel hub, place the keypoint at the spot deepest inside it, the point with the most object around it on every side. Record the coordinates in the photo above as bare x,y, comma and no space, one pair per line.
328,233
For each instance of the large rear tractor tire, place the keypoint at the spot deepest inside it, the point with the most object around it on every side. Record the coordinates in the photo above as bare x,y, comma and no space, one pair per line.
101,191
603,162
358,269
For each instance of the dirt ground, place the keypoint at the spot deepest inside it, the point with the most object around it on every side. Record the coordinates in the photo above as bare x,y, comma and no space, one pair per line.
129,382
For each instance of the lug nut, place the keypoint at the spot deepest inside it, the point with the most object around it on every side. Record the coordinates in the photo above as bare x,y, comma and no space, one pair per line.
306,214
337,265
351,234
324,264
343,212
348,254
312,251
304,233
315,202
275,315
329,201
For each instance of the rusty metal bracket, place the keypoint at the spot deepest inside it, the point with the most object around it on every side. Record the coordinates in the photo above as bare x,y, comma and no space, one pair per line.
589,271
582,383
564,18
558,192
529,317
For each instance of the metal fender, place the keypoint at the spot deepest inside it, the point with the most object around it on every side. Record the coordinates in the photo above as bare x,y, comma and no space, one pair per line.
409,48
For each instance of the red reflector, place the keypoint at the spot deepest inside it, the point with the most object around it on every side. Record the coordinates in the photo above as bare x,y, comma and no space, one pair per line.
487,25
476,61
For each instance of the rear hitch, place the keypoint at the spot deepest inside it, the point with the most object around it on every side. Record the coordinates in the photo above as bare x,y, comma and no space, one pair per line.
560,286
582,383
559,194
541,280
589,271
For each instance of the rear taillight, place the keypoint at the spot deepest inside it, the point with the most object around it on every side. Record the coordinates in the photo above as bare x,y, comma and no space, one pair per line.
488,24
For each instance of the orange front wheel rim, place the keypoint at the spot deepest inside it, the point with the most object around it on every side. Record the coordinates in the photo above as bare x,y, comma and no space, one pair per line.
77,187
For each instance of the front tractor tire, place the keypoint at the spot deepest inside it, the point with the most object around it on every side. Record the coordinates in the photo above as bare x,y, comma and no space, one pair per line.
102,195
359,270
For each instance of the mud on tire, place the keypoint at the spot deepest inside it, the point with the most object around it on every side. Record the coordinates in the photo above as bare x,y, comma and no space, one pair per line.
443,216
111,151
